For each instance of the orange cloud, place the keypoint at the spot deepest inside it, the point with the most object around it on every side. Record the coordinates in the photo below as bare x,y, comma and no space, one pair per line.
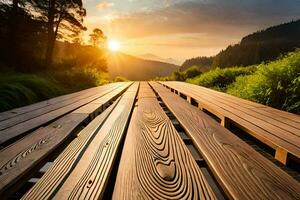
104,5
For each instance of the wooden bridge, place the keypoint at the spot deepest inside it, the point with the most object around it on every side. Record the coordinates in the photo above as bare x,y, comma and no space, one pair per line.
149,140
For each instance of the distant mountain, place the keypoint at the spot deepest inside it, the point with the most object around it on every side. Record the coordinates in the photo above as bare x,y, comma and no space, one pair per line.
261,46
150,56
133,68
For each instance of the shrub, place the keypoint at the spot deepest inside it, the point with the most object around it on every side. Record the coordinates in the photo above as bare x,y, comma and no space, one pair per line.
191,72
276,84
220,78
79,78
181,75
120,79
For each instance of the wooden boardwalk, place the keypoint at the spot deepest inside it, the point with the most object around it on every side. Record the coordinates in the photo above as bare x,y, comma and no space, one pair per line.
147,140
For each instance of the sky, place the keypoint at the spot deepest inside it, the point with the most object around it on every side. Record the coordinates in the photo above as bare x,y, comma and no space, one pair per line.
182,29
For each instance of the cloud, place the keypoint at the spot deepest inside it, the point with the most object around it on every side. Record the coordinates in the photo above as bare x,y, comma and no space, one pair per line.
210,17
195,27
104,5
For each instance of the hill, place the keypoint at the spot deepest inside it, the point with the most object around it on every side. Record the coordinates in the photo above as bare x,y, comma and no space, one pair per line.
153,57
261,46
133,68
203,63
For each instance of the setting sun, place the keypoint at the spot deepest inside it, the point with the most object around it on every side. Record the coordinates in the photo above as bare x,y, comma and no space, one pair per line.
113,45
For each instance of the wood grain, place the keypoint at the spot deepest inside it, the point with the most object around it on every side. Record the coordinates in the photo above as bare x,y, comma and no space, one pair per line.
31,124
18,158
65,162
155,164
241,171
247,107
89,177
264,128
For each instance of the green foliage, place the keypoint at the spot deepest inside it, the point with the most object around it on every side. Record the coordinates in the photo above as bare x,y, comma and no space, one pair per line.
79,78
276,84
21,89
67,56
181,75
120,79
220,78
191,72
203,63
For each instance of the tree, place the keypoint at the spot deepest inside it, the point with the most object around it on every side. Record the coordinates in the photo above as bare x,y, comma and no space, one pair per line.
64,19
21,34
97,37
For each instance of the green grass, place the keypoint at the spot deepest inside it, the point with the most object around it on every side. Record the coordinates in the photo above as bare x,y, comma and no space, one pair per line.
276,84
19,89
22,89
219,79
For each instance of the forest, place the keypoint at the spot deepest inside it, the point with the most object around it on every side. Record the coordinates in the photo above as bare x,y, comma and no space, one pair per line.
261,46
42,53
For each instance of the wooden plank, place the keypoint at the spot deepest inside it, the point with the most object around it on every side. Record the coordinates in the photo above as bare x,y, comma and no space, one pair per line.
22,110
155,164
27,152
66,161
38,112
17,159
89,177
267,132
29,125
238,105
98,105
285,120
241,171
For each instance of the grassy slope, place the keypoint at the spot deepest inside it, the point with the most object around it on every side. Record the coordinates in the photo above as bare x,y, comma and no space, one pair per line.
18,89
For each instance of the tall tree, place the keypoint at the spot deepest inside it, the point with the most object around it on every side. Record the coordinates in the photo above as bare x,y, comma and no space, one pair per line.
97,37
64,20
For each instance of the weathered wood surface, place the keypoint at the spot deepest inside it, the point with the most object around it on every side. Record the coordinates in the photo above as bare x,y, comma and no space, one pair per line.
56,100
155,163
50,107
280,130
30,124
20,157
23,155
18,111
65,162
89,177
241,171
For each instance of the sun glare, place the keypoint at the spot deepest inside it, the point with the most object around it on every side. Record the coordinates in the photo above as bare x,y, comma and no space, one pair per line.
113,45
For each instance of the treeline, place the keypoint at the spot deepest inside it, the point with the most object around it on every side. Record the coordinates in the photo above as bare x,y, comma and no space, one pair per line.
262,46
203,63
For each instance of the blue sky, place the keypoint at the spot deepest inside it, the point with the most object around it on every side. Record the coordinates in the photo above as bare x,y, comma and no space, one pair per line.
183,29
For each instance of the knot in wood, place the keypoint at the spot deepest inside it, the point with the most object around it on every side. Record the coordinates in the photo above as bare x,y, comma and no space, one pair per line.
166,171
